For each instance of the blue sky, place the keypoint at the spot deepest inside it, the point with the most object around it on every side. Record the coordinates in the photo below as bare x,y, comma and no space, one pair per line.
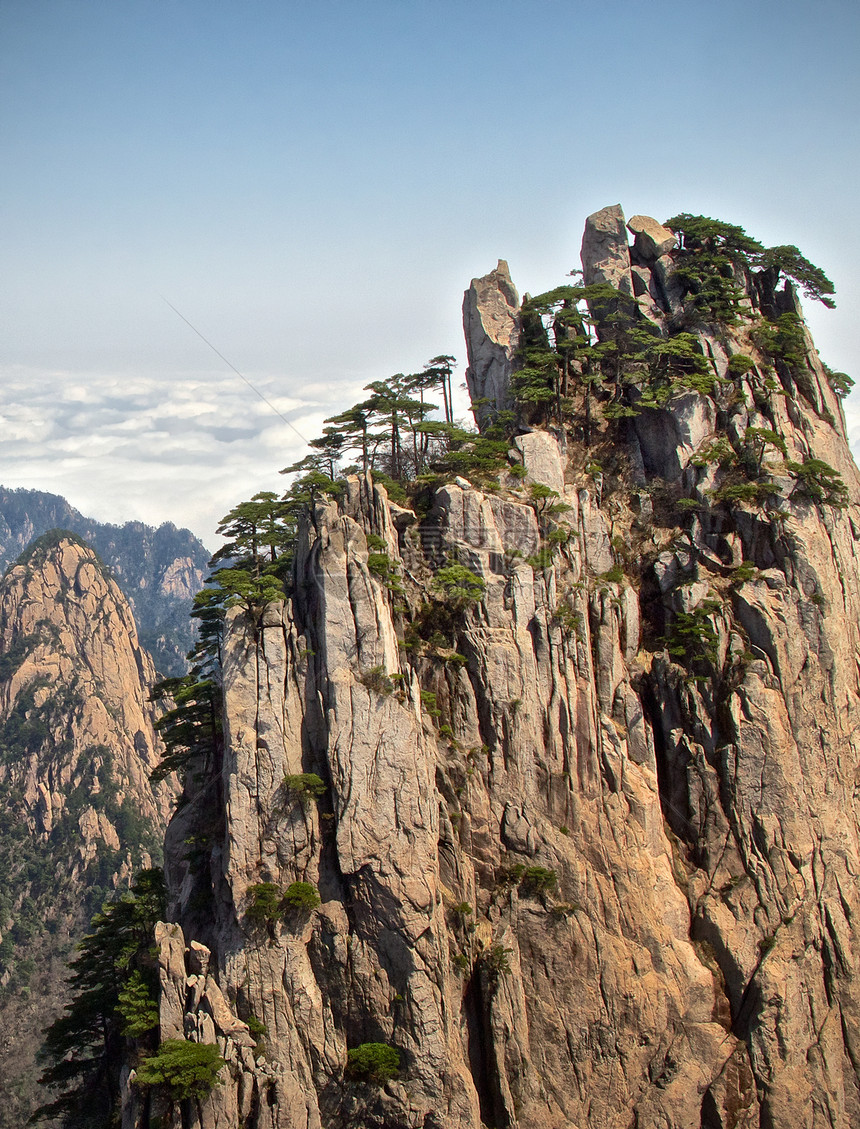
314,184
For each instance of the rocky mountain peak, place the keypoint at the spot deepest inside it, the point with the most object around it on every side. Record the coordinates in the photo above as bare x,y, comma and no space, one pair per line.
604,253
159,570
65,623
535,799
78,815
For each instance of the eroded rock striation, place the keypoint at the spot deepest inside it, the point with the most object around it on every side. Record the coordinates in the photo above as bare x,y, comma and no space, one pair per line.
587,848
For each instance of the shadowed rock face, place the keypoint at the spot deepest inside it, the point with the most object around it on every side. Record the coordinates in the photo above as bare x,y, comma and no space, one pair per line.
577,876
78,815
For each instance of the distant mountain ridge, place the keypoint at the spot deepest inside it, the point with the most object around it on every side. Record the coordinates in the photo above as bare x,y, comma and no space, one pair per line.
158,569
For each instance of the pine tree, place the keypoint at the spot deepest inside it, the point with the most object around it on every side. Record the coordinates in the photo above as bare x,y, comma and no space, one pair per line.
113,978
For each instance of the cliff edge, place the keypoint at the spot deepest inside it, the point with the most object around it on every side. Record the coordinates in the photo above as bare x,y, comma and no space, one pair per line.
560,804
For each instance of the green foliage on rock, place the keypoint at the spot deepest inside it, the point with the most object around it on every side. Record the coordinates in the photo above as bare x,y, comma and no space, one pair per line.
783,342
714,236
268,903
458,585
495,963
478,458
381,565
597,346
373,1062
537,880
840,382
758,442
376,679
192,727
510,875
186,1070
818,481
714,258
739,364
305,786
787,262
301,896
694,638
709,265
756,493
264,903
113,983
719,451
16,653
393,431
257,529
137,1006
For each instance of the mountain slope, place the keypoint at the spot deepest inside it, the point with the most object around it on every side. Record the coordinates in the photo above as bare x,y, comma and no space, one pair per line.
78,815
159,570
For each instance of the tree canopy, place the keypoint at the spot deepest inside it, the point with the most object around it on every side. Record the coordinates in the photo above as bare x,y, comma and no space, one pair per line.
710,251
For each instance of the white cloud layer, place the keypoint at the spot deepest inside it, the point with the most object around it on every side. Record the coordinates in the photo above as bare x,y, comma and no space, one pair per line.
144,448
184,450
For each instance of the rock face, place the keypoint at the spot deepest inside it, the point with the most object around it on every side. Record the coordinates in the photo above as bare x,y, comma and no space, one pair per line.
588,849
490,307
77,812
605,257
652,239
159,570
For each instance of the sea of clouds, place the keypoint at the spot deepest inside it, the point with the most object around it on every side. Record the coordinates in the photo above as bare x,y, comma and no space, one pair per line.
184,449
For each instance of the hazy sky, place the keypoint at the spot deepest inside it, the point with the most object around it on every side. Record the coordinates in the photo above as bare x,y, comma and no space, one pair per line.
314,184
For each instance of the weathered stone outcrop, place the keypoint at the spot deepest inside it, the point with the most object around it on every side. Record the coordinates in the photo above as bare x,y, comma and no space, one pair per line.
78,814
588,848
605,254
652,239
67,632
490,308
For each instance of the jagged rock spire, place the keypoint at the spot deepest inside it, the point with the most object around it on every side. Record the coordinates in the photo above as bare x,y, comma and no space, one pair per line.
490,308
605,255
589,859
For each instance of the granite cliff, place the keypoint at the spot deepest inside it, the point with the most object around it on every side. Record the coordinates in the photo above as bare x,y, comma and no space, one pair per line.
78,815
555,778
